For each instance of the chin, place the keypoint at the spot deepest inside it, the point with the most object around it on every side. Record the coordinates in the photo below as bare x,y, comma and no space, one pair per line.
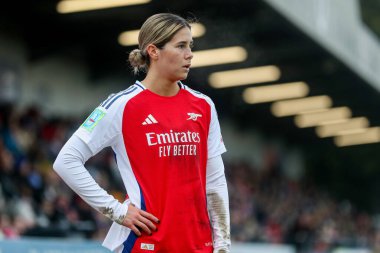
179,77
183,77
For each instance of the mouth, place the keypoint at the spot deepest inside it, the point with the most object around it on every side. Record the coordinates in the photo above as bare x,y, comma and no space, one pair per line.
187,66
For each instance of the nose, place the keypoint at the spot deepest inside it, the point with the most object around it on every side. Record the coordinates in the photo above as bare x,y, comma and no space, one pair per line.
189,54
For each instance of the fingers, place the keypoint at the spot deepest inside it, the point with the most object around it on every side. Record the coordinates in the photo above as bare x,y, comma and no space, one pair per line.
138,220
135,230
149,216
144,227
148,223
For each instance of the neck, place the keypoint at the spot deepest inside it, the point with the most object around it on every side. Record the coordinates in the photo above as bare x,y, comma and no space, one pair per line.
159,85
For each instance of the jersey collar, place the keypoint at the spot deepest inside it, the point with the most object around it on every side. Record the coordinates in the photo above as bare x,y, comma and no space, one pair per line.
140,85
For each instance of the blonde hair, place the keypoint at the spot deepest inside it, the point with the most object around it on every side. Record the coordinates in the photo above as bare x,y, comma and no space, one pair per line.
157,30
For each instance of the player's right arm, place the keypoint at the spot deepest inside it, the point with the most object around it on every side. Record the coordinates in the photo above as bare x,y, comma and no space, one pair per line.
70,167
101,129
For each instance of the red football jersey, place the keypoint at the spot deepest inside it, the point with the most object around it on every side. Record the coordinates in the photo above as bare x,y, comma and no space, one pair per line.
162,145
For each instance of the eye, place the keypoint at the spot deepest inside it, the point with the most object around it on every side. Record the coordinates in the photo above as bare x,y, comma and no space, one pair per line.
181,46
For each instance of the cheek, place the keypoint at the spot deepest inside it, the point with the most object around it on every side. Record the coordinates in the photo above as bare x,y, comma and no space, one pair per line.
174,58
171,61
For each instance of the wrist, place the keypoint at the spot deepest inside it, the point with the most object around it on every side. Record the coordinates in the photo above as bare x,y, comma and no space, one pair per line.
117,214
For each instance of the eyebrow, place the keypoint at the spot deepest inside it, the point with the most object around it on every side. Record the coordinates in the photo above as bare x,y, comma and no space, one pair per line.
184,41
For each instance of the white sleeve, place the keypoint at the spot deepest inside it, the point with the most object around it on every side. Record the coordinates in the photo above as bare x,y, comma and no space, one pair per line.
215,143
69,164
218,204
101,128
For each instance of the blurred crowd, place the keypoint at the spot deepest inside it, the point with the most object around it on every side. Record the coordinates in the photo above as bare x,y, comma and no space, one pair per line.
266,206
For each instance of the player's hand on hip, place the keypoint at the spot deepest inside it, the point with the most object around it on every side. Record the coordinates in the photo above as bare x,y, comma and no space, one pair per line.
137,219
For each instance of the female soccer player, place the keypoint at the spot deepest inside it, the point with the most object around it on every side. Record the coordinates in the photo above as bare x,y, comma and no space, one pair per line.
168,148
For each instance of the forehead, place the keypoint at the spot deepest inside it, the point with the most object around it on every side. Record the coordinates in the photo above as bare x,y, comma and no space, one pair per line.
182,35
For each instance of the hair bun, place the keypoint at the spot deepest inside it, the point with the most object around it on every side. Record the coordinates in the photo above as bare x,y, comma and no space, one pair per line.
137,60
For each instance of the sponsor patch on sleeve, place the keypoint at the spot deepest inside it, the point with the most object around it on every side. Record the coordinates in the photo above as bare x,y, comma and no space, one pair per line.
93,119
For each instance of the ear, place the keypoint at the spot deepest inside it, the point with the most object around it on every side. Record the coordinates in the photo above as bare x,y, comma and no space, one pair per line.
152,51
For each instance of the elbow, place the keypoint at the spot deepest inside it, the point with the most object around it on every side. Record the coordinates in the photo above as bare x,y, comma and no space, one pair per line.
63,161
57,165
70,157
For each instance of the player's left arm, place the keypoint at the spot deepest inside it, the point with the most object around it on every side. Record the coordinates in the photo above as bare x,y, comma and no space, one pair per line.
216,186
218,204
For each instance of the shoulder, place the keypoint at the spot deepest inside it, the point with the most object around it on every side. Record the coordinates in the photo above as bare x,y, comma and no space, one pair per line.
198,94
121,98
